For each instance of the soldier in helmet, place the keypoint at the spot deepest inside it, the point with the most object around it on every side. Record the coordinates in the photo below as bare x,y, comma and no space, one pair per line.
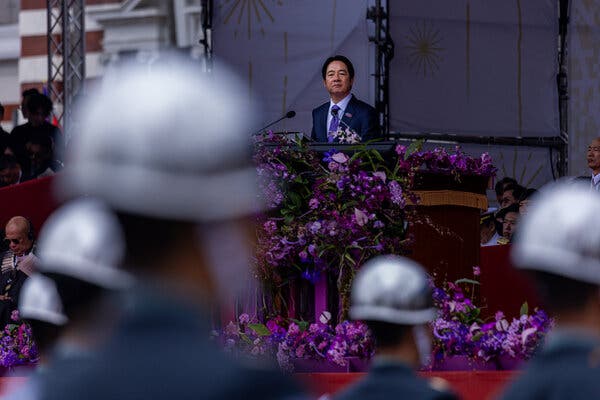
392,295
559,242
183,186
79,247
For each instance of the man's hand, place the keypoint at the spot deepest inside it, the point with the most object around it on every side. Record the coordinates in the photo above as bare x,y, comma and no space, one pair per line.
4,297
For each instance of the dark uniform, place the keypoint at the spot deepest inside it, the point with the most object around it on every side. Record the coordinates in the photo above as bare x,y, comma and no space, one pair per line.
567,368
161,350
392,380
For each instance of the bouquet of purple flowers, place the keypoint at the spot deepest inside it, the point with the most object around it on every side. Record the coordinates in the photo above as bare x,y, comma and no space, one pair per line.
459,330
289,339
16,344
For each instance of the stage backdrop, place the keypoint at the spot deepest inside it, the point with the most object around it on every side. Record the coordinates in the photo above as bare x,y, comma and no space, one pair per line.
474,67
584,81
279,47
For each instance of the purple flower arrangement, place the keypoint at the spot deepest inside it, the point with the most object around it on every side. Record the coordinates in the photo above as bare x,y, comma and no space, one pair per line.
459,331
332,212
16,344
289,339
441,161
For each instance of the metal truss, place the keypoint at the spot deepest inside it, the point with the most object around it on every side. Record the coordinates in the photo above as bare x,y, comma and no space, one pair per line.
384,52
66,57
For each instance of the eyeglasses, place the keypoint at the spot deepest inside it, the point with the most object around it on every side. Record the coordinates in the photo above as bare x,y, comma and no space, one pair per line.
13,241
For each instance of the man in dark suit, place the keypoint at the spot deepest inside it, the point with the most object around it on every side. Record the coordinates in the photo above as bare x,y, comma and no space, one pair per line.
559,243
393,296
343,110
593,160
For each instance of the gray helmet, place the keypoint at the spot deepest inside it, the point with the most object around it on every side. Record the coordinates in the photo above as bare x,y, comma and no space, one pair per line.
166,141
40,300
392,289
83,240
561,233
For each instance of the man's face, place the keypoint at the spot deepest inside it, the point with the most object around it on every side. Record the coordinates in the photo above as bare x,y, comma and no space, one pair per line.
19,243
593,156
38,155
37,117
507,199
509,224
337,80
9,176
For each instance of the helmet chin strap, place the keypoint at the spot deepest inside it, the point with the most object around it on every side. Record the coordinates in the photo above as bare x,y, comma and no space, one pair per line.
423,342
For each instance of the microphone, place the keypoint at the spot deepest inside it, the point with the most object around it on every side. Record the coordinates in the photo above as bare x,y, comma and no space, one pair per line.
289,114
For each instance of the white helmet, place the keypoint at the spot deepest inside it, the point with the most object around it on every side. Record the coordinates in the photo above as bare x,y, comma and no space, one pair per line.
83,240
392,289
166,141
561,233
40,300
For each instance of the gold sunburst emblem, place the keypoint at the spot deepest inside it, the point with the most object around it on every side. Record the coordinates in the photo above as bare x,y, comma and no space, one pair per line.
246,15
521,166
423,47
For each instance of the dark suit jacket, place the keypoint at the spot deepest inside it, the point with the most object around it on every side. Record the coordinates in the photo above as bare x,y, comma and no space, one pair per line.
567,370
392,381
359,116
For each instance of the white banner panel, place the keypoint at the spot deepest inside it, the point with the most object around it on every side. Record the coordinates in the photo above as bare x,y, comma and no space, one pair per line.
474,67
584,82
279,47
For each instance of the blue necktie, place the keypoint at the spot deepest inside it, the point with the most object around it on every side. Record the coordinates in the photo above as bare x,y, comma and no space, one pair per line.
335,122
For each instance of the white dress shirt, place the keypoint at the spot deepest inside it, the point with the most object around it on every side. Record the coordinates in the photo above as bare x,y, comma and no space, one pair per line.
342,105
595,183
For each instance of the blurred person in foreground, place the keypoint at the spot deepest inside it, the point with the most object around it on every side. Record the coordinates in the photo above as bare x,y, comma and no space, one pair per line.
182,185
559,243
79,247
392,296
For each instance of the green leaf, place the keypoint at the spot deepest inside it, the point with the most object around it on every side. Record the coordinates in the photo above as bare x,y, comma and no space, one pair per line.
245,338
260,329
524,309
288,219
413,147
303,325
466,280
348,257
296,200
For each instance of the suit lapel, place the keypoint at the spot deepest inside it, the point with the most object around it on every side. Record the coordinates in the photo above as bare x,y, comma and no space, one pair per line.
322,121
349,113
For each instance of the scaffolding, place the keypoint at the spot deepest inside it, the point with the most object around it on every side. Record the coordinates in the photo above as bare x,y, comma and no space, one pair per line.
66,57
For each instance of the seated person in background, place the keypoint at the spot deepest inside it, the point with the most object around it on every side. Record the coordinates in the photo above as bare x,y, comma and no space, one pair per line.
393,297
40,152
487,229
525,200
511,195
38,111
343,110
501,185
10,170
510,218
18,262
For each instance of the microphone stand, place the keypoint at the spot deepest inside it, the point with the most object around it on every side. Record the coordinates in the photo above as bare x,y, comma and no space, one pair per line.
289,114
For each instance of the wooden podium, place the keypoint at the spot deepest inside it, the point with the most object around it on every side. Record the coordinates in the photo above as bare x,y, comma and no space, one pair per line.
446,231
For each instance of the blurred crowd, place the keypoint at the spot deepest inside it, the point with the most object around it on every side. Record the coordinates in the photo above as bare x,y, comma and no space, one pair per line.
33,149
